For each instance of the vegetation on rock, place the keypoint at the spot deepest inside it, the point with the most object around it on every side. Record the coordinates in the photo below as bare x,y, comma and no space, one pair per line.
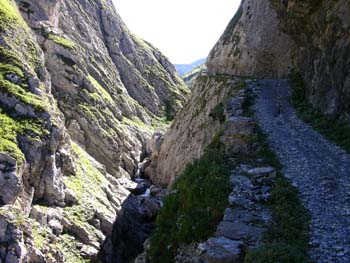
194,206
62,41
333,128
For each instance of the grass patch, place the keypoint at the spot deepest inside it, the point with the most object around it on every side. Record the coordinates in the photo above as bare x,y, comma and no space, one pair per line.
332,128
11,128
62,41
9,15
194,207
88,185
21,94
101,90
136,122
218,113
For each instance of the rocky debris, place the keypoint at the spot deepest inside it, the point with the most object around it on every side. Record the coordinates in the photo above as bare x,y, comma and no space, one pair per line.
221,249
12,247
134,224
238,132
319,170
243,226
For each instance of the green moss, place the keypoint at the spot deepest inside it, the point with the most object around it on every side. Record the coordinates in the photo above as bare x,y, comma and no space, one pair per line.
64,243
62,41
193,208
9,15
68,245
22,94
332,128
101,91
88,185
11,128
40,234
136,122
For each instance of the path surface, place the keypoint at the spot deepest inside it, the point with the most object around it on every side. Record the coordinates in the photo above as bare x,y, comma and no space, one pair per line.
319,169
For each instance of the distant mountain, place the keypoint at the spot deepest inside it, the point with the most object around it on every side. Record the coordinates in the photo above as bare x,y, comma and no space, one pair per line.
185,68
190,77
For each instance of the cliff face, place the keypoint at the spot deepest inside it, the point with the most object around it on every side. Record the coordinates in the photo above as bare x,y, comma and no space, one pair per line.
266,39
252,44
107,82
79,96
195,126
322,55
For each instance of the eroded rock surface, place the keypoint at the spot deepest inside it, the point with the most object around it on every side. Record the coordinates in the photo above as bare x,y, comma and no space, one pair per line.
252,44
80,95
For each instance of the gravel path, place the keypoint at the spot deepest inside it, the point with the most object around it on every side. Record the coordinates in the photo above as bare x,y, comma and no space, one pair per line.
318,168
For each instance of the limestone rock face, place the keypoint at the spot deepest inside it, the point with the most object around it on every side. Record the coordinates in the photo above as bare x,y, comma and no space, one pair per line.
79,96
321,30
195,126
105,79
268,38
252,44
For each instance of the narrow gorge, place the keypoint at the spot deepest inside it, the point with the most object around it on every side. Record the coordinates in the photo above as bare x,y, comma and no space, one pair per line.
106,155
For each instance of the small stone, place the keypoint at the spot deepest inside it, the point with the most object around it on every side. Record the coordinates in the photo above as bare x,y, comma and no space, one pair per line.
263,172
13,78
221,249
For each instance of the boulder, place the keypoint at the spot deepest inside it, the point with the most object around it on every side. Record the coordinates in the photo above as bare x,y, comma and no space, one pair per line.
239,231
221,250
10,182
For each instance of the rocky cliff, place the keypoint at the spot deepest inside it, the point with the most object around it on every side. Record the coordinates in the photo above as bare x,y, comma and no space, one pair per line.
80,94
266,39
195,126
320,30
252,44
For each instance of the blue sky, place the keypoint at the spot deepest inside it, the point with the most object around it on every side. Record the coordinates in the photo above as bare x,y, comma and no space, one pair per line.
184,30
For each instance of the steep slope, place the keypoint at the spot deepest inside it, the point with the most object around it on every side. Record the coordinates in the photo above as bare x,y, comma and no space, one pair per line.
268,38
321,30
252,44
72,71
104,77
195,126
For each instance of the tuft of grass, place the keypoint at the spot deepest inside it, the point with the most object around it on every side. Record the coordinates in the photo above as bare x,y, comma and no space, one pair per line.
11,128
100,90
88,185
62,41
9,15
194,207
218,113
332,128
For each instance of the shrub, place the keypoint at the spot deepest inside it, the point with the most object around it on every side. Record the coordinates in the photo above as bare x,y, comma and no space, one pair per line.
194,207
218,113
